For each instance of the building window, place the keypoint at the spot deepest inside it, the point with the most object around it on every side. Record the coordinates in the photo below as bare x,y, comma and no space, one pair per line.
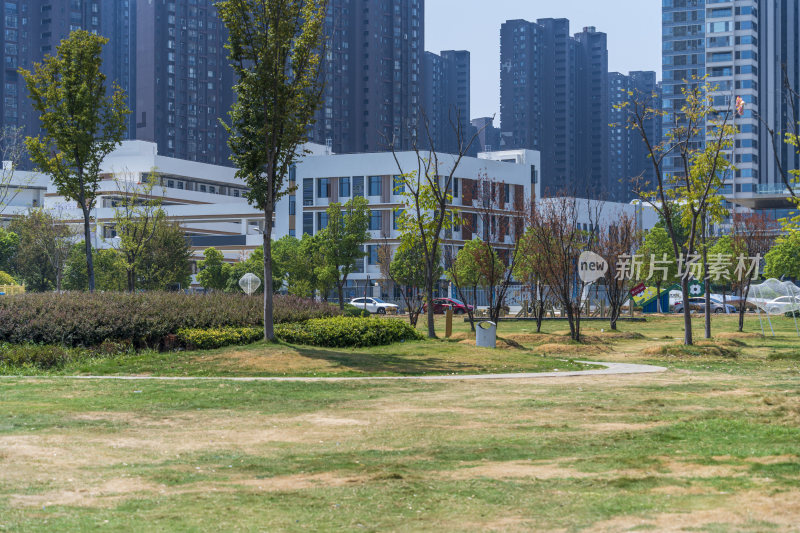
396,215
308,191
202,188
456,188
374,185
372,254
358,186
308,223
398,185
375,220
292,203
323,188
322,221
344,187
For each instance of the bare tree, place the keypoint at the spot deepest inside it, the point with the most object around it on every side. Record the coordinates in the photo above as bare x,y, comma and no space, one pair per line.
500,220
753,234
614,242
12,149
428,190
559,238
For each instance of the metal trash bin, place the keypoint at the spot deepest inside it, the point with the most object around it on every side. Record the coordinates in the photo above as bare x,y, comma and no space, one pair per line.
486,334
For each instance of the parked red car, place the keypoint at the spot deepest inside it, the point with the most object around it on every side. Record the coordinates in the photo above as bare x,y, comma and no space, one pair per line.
440,306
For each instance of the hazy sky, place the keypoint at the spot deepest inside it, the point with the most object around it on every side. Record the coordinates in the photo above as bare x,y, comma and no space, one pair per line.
633,28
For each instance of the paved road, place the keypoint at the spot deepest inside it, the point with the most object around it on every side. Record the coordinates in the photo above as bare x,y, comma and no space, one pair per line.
609,369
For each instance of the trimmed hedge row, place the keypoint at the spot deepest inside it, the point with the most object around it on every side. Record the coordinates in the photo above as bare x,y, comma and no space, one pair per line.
206,339
144,319
347,332
46,357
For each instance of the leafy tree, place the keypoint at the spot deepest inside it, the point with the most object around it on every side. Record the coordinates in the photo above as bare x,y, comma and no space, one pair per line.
464,273
82,123
137,216
423,221
405,272
301,263
9,241
698,138
214,272
164,262
274,50
342,240
657,254
529,268
6,278
783,260
490,269
110,273
44,243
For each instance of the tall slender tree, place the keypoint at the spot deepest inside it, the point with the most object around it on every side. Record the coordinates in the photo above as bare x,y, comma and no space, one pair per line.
698,139
274,48
82,122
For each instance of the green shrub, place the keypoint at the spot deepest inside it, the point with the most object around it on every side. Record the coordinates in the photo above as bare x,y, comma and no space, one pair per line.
36,355
347,332
206,339
143,319
352,310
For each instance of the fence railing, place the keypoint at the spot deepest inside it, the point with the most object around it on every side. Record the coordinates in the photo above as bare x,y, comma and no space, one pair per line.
12,289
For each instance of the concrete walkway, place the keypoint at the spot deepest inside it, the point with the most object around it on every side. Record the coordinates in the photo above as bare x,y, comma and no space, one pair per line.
609,370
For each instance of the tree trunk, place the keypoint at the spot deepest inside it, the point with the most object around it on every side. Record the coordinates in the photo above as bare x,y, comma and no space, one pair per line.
87,236
269,329
687,312
539,312
706,284
615,311
429,297
658,298
340,291
568,311
743,306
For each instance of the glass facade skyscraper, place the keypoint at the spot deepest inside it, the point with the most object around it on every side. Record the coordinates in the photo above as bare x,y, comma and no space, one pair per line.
744,48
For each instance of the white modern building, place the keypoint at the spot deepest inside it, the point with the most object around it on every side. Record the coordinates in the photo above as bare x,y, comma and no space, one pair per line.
208,200
322,180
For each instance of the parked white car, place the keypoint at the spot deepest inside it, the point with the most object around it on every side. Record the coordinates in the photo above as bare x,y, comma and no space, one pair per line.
374,305
782,304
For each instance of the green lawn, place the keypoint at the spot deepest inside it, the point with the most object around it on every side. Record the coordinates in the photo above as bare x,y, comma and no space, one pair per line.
713,444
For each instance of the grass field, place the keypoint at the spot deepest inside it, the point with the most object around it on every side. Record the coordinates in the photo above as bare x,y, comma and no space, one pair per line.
713,444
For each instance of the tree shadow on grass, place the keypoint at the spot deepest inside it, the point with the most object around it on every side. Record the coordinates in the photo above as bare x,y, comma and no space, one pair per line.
385,363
